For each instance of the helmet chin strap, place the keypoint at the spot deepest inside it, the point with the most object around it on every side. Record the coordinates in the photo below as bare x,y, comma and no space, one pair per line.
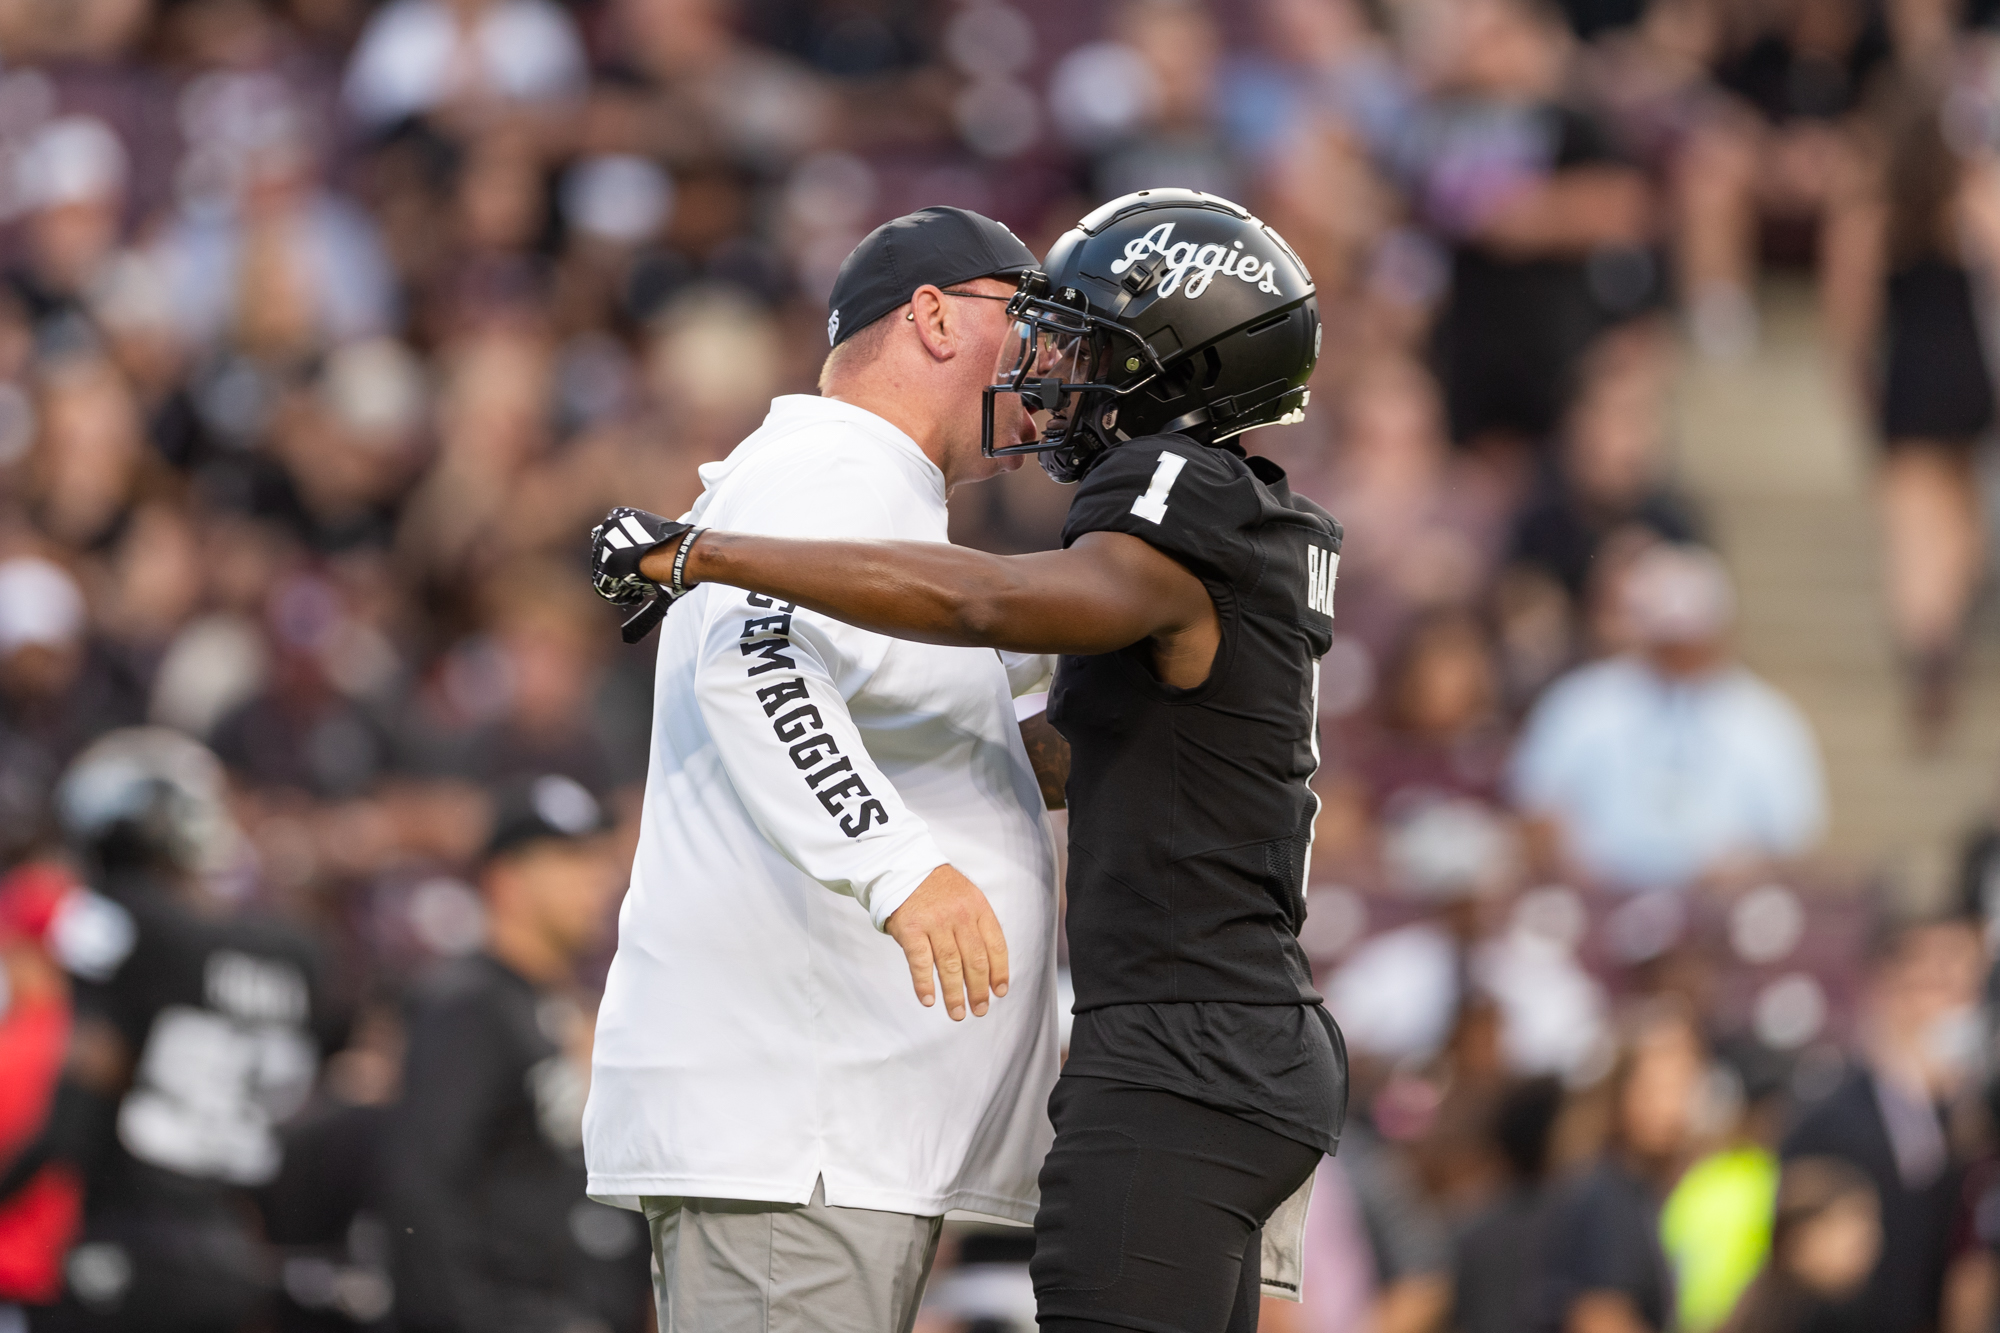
1083,442
1190,424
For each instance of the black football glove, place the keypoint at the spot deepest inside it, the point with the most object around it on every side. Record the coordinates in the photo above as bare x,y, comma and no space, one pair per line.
617,545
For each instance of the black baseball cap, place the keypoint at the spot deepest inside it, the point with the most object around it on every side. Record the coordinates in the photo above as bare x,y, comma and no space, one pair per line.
550,808
940,246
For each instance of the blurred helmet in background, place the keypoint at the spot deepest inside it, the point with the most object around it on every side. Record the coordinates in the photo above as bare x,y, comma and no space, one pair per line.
147,799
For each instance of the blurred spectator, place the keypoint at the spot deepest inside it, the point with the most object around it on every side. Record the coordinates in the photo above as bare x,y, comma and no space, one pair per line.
265,260
485,1171
421,56
347,449
90,461
1538,630
1979,875
1436,733
494,418
1785,176
1408,1287
1316,59
1164,54
71,182
1922,354
1546,224
1606,1272
1919,1034
1605,486
1426,525
1497,1002
57,689
545,659
1414,781
1551,1013
1824,1240
1499,1255
1317,109
1671,765
1656,85
303,731
686,87
154,584
221,658
1397,997
1401,995
1717,1222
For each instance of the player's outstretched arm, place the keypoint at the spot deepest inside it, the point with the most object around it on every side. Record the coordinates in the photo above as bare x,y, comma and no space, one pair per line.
1107,591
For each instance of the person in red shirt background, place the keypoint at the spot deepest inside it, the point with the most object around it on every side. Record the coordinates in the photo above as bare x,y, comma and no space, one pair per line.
41,1200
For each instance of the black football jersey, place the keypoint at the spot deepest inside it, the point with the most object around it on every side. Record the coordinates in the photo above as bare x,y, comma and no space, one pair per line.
1190,813
490,1225
225,1019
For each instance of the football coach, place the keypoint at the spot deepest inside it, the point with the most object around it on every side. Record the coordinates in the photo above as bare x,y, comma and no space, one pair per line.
791,1119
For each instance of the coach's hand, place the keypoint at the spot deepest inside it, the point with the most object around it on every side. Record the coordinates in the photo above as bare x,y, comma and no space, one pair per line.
947,926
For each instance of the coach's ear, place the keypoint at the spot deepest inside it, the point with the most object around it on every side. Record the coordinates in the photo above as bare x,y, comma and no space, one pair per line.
933,317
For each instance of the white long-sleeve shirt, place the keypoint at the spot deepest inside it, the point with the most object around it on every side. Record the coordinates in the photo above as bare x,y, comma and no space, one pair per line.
1657,781
758,1032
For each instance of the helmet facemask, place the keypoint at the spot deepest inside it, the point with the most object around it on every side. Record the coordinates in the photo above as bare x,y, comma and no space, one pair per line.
1074,367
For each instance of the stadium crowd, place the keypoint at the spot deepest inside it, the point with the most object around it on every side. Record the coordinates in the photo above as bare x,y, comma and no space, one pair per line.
328,328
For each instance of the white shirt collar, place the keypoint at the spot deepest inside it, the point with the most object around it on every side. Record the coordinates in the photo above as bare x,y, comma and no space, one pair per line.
786,407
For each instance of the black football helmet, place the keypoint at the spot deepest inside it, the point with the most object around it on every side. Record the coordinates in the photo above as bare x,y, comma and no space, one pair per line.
148,799
1166,311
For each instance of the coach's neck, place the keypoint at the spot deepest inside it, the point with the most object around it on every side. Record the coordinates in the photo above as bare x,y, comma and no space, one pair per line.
906,402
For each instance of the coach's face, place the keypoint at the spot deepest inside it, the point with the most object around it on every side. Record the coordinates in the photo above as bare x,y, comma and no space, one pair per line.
560,890
980,334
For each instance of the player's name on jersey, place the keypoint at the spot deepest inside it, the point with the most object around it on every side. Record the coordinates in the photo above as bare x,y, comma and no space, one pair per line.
1198,264
1321,566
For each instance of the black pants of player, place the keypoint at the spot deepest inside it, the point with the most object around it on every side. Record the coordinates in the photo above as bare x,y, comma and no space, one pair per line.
1153,1209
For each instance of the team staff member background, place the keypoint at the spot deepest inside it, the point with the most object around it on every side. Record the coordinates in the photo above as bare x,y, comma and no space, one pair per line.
490,1227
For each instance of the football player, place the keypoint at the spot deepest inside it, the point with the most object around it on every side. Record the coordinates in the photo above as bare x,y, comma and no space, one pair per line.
198,1034
1191,603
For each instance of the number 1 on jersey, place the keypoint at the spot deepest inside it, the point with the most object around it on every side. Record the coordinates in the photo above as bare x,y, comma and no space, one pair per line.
1152,506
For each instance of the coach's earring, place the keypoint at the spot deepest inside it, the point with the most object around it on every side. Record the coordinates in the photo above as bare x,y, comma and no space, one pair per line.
911,316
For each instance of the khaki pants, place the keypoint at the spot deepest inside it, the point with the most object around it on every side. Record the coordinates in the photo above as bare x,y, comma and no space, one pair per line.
740,1266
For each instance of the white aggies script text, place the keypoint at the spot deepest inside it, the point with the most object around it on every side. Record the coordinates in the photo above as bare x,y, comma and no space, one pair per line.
1198,264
